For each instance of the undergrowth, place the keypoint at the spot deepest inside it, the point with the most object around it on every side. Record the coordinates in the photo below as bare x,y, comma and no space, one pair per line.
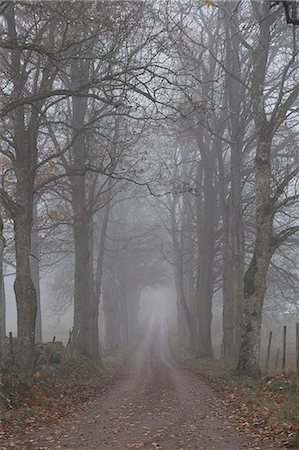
54,394
275,398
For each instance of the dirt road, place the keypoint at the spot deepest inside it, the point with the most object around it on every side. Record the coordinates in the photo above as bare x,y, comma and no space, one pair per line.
156,404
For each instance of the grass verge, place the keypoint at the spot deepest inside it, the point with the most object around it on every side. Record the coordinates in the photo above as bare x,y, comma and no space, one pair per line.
268,406
65,393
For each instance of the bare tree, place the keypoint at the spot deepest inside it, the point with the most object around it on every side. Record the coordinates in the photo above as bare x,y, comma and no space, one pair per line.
267,122
2,289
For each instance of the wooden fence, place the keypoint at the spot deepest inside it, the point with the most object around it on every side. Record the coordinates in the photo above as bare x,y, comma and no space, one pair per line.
284,351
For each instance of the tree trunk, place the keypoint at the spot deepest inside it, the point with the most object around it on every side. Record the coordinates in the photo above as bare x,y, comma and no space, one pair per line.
35,274
228,348
2,287
94,349
97,287
111,310
206,252
23,285
182,327
81,229
233,246
187,255
25,138
190,319
255,280
82,266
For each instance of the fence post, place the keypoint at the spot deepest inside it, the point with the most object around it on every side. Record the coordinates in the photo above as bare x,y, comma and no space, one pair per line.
268,352
284,348
297,348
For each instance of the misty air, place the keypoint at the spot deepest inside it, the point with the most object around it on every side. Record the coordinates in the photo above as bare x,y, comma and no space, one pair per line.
149,224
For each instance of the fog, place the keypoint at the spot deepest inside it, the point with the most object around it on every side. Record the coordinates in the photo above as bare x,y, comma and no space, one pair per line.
149,172
53,324
158,304
149,224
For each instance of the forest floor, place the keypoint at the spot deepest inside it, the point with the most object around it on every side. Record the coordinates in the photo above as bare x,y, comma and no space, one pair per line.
155,404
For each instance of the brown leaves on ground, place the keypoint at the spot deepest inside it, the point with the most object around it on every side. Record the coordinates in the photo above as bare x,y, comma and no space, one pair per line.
45,403
267,408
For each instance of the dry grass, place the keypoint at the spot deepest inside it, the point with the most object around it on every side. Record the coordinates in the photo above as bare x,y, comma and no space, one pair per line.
275,397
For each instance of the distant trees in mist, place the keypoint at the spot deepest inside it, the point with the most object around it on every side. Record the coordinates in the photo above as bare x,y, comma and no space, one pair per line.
146,144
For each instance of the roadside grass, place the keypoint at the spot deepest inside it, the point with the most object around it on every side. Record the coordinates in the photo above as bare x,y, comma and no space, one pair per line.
67,390
271,401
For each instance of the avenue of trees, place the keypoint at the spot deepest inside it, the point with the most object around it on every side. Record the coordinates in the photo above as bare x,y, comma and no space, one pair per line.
149,144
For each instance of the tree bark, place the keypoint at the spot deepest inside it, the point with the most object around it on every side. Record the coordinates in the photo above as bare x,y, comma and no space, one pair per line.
81,230
82,266
206,253
233,246
2,288
23,285
35,273
255,280
25,129
190,319
228,347
112,311
97,287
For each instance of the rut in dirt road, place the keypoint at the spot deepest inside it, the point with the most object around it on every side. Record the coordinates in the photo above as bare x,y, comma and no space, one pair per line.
156,404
